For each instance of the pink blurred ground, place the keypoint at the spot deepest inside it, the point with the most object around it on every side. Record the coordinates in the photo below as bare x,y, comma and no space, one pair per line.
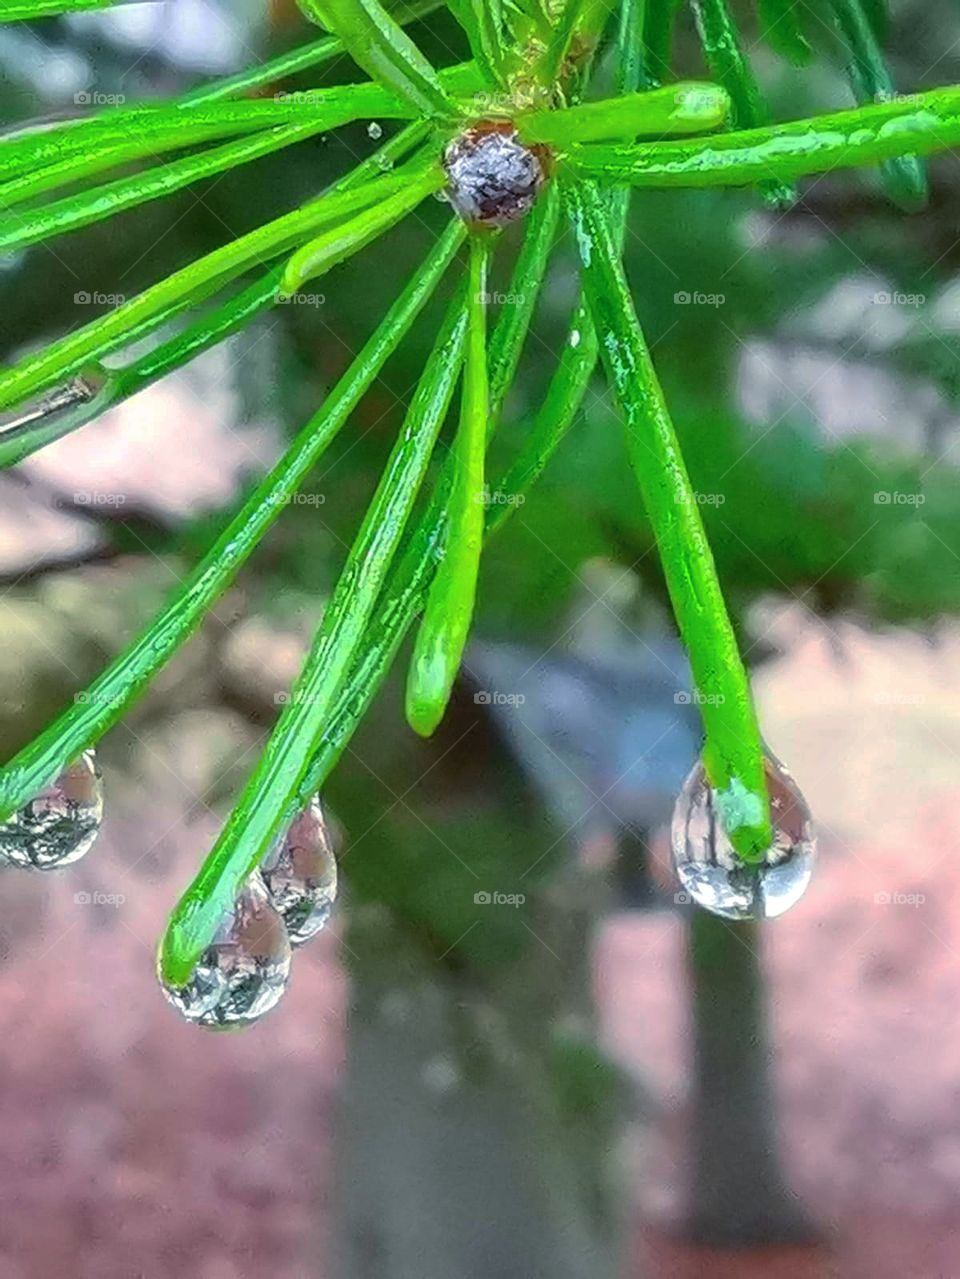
137,1148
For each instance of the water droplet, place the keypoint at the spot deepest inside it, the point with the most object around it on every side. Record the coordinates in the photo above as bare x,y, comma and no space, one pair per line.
60,824
374,130
301,875
244,971
712,873
574,337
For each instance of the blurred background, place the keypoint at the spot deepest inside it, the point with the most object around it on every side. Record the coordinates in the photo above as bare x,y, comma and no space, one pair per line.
516,1051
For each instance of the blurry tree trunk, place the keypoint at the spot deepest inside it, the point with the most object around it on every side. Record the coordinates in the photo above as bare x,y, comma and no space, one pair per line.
478,1121
455,1158
738,1193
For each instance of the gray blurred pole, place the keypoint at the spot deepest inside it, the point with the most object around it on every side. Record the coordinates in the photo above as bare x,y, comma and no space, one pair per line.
478,1122
456,1155
738,1193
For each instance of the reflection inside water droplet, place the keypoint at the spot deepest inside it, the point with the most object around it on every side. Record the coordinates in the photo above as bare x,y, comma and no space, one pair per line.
243,972
301,874
58,826
709,868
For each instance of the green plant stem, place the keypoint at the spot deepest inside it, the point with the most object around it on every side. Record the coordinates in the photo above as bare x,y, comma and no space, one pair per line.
553,419
346,238
43,160
588,30
18,229
630,75
291,63
727,61
688,107
118,384
551,64
631,68
780,23
903,175
482,23
87,720
116,134
193,283
23,10
659,21
513,322
446,621
404,595
303,58
929,122
379,44
733,752
255,822
191,923
21,228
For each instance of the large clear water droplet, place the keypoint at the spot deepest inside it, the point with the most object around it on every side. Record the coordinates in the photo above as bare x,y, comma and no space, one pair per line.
60,824
709,868
301,874
244,971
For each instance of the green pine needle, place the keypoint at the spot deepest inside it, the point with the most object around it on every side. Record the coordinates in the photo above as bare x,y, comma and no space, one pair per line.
531,70
446,621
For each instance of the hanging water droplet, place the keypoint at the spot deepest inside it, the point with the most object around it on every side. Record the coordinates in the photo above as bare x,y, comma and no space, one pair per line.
244,971
709,868
301,874
60,824
374,130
